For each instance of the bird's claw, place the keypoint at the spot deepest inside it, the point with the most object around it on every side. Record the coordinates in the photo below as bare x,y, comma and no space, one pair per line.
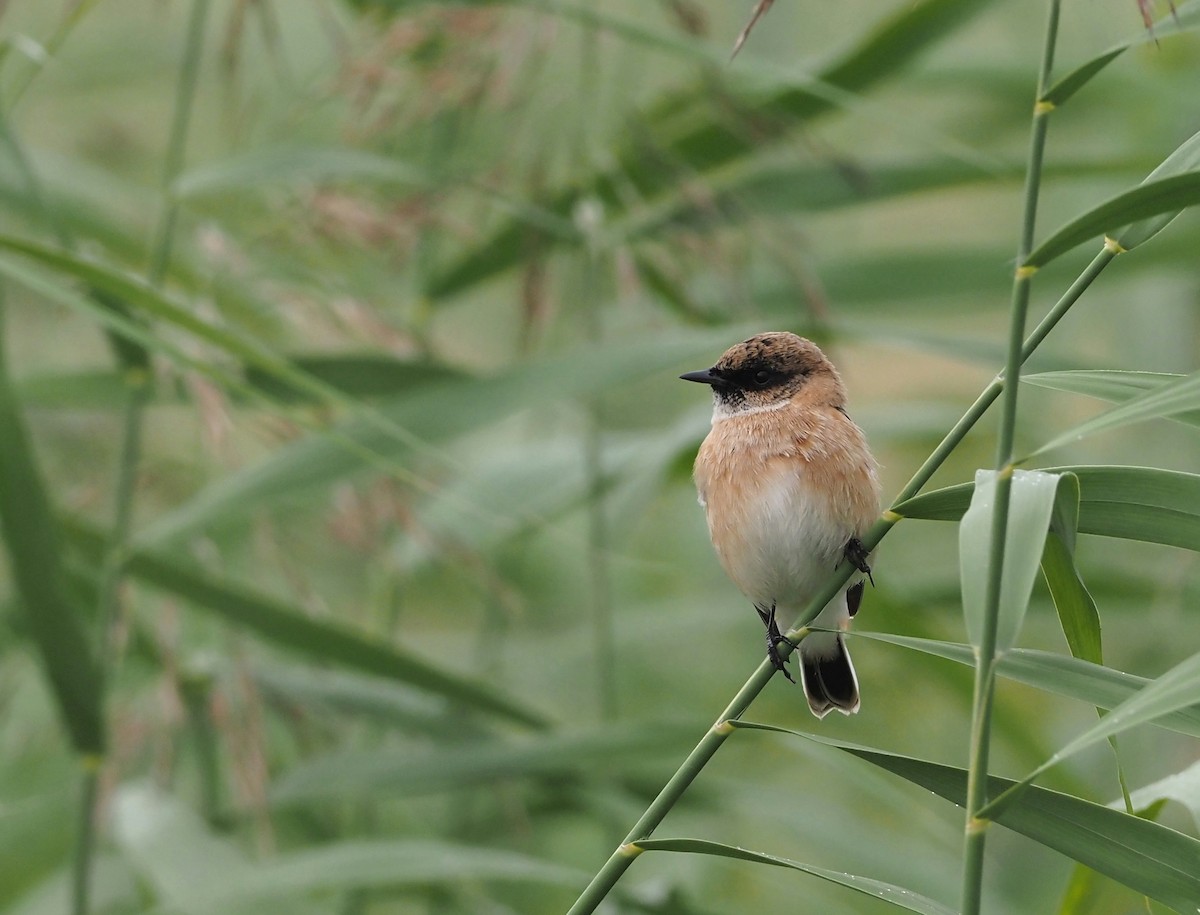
857,554
774,637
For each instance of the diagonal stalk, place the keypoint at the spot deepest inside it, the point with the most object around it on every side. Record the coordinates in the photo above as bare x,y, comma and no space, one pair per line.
985,663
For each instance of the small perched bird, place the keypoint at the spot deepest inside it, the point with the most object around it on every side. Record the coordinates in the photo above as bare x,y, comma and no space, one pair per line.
789,486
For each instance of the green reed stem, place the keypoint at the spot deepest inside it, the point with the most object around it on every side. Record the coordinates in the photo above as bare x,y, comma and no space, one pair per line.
138,390
985,665
185,95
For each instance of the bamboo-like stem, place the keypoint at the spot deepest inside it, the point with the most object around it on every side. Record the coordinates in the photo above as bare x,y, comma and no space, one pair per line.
85,835
619,861
138,389
985,661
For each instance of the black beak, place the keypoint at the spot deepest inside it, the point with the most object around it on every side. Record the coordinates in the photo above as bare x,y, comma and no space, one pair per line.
707,376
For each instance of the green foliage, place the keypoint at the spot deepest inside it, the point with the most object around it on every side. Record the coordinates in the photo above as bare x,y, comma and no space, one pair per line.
350,550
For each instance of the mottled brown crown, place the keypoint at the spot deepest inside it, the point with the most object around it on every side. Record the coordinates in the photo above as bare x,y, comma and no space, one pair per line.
773,367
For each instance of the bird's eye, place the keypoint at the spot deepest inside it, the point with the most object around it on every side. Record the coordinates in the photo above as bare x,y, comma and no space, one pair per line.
762,378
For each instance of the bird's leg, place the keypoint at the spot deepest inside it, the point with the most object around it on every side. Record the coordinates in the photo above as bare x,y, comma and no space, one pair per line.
774,637
857,554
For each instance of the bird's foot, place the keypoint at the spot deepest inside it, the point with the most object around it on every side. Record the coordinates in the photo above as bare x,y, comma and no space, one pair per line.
857,554
774,637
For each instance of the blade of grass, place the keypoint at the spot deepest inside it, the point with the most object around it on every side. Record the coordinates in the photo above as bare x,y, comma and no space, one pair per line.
897,896
289,627
704,147
553,756
1176,689
1134,503
1151,859
387,865
1184,18
1176,399
1137,215
1055,673
1113,386
32,541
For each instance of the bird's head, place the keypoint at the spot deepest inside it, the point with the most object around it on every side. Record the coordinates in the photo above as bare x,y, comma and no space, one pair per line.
770,370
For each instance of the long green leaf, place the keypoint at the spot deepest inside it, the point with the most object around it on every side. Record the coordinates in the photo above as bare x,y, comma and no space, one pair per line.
1185,159
1133,503
1176,689
365,375
1184,18
1138,205
703,147
384,435
897,896
451,767
291,628
153,304
1030,507
1111,385
382,864
1072,677
1173,399
32,541
1140,213
339,694
1151,859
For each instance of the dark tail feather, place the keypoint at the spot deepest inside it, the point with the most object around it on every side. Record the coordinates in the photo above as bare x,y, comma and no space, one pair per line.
827,674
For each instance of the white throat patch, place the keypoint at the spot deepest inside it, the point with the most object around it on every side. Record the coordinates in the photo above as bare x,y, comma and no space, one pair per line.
720,411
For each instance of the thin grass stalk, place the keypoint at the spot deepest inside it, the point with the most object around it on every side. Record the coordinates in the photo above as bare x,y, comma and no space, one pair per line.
85,835
589,221
603,625
137,381
985,664
185,95
619,861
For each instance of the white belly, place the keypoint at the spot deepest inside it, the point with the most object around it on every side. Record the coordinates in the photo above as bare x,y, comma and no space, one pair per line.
789,541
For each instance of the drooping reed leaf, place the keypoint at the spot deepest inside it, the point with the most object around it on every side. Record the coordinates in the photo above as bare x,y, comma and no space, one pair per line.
1075,678
32,542
556,756
1148,857
1134,503
1184,17
898,896
1137,215
291,628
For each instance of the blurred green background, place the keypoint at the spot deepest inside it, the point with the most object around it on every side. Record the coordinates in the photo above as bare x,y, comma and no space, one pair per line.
425,615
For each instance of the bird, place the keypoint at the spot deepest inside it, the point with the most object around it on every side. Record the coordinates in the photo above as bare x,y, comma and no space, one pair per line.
789,488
